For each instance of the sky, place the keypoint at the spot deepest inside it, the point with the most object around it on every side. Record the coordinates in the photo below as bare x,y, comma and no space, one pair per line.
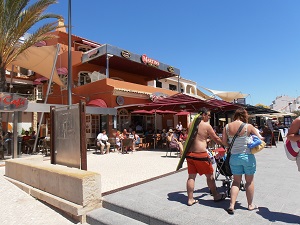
249,46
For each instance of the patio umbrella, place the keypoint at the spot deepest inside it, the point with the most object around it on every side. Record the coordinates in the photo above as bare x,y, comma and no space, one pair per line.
163,111
183,113
97,102
142,111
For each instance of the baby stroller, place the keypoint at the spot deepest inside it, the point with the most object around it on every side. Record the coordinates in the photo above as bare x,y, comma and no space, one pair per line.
220,156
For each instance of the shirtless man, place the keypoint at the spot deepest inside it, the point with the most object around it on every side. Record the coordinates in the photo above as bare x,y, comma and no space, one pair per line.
198,160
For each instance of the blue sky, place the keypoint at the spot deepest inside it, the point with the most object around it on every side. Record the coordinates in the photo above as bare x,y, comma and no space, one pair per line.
231,45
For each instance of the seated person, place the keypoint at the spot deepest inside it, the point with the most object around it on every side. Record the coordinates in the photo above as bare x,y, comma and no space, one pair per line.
163,137
174,142
136,139
118,141
33,135
102,140
124,135
25,145
183,136
8,142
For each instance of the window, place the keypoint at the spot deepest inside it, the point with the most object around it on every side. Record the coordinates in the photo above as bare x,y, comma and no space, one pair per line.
158,84
172,87
95,123
38,92
84,78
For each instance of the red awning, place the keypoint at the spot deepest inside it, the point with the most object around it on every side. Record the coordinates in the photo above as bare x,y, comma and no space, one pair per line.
179,102
142,111
98,103
153,111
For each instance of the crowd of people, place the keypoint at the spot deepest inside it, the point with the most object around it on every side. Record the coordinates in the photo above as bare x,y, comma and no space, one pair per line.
173,138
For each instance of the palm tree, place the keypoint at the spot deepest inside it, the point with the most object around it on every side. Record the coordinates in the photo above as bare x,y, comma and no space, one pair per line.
18,17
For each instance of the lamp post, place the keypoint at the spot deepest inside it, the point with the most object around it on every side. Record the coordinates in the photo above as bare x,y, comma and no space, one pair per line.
108,56
69,56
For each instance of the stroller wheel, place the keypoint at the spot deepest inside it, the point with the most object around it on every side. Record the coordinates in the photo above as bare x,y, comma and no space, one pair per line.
242,186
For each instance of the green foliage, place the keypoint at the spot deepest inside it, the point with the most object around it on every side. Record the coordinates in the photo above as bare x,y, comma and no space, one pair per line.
18,17
262,105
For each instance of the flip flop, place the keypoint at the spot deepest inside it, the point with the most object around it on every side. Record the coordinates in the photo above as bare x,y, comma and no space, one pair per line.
255,207
230,211
195,201
223,196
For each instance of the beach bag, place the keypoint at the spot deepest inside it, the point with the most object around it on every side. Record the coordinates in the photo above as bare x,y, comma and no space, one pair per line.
259,147
255,141
292,149
226,167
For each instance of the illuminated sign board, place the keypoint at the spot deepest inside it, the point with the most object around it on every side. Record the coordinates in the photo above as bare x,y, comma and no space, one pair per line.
12,102
149,61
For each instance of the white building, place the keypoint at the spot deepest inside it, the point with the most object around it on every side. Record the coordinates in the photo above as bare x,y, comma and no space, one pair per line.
185,86
286,104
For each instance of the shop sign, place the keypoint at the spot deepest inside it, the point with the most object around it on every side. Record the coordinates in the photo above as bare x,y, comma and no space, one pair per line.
149,61
170,69
125,54
12,102
93,53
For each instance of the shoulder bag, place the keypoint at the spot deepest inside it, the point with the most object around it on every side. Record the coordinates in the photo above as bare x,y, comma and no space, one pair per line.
227,168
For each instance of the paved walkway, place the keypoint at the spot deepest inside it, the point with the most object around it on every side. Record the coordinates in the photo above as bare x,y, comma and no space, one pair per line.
276,192
117,170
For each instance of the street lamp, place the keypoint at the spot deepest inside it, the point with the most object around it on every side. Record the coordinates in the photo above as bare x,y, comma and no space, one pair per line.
69,55
108,56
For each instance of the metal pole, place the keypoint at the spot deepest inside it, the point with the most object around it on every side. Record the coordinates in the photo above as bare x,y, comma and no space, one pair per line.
46,98
178,84
15,146
107,66
69,56
11,78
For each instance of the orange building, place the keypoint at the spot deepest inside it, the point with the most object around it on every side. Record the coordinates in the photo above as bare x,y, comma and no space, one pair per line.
108,76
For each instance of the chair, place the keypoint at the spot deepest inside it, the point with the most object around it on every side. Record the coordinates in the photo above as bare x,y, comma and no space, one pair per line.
125,144
113,144
28,145
91,143
169,149
149,141
46,146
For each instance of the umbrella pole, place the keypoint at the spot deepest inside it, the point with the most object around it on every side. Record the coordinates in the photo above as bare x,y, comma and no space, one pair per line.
154,138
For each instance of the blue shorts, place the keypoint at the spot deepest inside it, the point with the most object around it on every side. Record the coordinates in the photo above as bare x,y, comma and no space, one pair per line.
242,164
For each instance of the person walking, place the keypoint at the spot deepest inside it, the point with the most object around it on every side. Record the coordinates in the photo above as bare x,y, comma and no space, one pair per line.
294,135
198,160
242,161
